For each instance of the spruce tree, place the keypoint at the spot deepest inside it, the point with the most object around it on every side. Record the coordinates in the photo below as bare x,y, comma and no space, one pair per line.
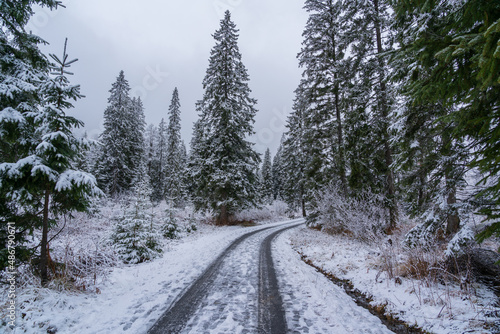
277,172
175,191
368,29
454,58
226,162
322,59
194,179
364,154
156,154
23,67
433,167
135,134
294,157
136,236
266,181
121,141
152,164
43,181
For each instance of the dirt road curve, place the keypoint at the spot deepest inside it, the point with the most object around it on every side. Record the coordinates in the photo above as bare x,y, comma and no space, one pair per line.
238,290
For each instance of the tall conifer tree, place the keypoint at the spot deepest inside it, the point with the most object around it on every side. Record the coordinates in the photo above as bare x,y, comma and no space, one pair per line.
322,57
122,142
226,163
174,171
266,181
43,181
294,157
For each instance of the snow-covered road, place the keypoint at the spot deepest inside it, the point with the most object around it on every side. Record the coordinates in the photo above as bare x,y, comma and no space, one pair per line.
233,295
240,293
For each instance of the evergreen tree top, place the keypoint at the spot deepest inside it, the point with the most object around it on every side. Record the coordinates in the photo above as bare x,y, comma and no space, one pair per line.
174,111
119,90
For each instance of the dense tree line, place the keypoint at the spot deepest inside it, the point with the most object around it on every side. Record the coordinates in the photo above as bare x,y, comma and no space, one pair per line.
399,99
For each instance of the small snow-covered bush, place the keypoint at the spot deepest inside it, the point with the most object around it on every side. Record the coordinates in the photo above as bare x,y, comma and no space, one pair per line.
135,235
170,228
463,240
279,209
191,225
362,218
271,212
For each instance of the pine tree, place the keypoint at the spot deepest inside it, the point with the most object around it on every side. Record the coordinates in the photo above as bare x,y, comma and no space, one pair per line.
226,163
44,180
135,236
23,68
266,180
294,158
454,58
322,59
277,172
122,141
175,191
369,35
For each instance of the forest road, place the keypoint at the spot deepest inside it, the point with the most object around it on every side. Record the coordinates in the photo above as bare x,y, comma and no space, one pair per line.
238,292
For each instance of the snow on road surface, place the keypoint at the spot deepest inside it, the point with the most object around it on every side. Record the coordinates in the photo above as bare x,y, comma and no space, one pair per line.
231,305
136,296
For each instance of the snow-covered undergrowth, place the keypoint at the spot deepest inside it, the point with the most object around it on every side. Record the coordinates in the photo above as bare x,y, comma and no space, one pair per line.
94,291
405,283
334,214
278,210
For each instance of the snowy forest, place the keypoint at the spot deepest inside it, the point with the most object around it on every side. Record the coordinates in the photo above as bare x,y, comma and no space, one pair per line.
390,158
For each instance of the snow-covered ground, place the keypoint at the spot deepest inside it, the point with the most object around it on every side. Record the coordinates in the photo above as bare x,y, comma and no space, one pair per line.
133,296
312,303
440,309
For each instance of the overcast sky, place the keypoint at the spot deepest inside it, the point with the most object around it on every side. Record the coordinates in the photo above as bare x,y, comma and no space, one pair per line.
163,44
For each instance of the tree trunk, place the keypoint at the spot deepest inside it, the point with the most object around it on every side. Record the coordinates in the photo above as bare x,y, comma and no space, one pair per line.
343,178
453,221
340,136
303,202
223,218
44,250
384,111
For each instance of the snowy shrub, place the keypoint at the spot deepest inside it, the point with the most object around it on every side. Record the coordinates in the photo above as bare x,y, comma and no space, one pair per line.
274,211
362,218
256,214
135,236
279,209
423,235
170,228
433,228
191,225
462,241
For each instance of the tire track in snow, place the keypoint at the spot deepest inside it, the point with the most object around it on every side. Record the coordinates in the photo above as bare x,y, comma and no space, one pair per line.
182,310
271,311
